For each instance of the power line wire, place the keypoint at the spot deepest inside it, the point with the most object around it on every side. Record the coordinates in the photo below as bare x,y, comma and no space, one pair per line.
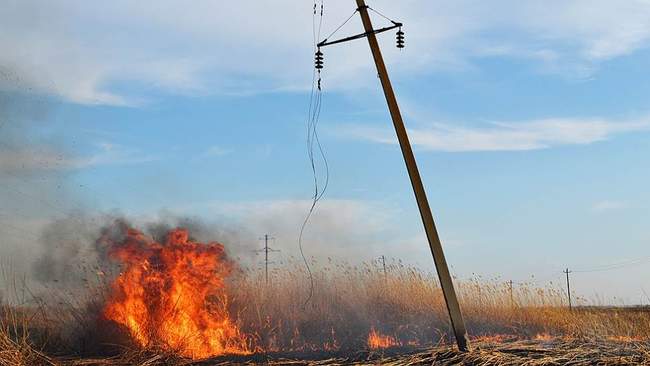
313,140
341,26
615,266
382,15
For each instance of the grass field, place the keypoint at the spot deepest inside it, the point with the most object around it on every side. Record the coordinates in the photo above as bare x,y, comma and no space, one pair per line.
403,305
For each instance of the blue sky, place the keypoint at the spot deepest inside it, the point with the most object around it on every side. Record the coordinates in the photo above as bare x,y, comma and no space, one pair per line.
530,122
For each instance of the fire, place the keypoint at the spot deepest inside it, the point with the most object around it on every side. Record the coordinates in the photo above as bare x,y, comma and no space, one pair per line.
377,340
626,339
543,337
495,338
172,295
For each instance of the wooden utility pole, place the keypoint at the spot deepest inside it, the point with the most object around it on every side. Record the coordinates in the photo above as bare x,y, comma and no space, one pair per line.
266,250
568,287
455,315
266,257
446,282
512,297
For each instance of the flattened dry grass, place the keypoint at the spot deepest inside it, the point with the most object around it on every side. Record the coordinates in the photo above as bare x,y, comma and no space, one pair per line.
530,353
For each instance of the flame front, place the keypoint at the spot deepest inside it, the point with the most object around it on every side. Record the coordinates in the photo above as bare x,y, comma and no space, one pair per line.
377,340
172,295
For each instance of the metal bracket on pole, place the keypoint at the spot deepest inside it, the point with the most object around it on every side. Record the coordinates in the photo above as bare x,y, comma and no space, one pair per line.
455,315
358,36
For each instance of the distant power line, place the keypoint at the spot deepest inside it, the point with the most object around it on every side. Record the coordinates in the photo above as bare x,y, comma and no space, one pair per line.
615,266
266,250
600,268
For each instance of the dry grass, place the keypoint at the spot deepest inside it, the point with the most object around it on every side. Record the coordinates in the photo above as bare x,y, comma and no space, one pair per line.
16,342
529,353
531,323
407,304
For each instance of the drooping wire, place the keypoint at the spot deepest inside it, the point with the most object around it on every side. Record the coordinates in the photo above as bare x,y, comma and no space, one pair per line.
315,104
342,25
382,15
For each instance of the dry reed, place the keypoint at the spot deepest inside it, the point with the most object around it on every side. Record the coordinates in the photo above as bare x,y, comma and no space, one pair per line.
348,301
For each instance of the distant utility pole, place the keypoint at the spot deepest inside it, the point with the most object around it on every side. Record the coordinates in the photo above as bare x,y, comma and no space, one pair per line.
383,263
568,287
512,298
266,250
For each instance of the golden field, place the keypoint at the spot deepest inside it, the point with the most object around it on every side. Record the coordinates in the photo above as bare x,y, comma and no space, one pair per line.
281,320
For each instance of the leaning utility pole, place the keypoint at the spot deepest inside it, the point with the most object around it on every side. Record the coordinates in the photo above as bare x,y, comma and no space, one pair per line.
568,287
456,317
420,194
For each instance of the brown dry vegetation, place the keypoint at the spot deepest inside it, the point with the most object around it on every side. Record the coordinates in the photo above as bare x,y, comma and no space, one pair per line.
409,305
347,302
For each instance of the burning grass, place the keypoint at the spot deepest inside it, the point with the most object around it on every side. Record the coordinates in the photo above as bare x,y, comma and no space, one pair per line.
173,294
179,301
405,307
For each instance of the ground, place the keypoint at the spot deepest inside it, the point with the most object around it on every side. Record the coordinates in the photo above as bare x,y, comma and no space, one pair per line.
556,352
530,353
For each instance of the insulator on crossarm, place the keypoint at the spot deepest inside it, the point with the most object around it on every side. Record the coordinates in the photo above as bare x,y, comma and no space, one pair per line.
319,59
400,38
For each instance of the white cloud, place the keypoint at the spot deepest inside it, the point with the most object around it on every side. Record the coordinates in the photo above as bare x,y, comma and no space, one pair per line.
111,154
86,52
524,135
608,205
215,150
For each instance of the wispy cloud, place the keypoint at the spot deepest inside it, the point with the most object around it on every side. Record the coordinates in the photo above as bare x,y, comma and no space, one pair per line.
215,151
111,154
608,205
180,49
500,136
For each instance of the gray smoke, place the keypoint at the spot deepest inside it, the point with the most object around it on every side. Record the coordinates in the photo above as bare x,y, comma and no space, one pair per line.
239,242
47,235
33,185
72,252
68,255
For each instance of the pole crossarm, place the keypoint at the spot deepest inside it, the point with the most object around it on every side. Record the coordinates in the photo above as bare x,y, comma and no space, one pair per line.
325,42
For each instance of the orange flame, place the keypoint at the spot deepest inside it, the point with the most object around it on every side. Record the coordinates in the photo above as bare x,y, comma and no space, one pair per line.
626,339
543,337
377,340
173,295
